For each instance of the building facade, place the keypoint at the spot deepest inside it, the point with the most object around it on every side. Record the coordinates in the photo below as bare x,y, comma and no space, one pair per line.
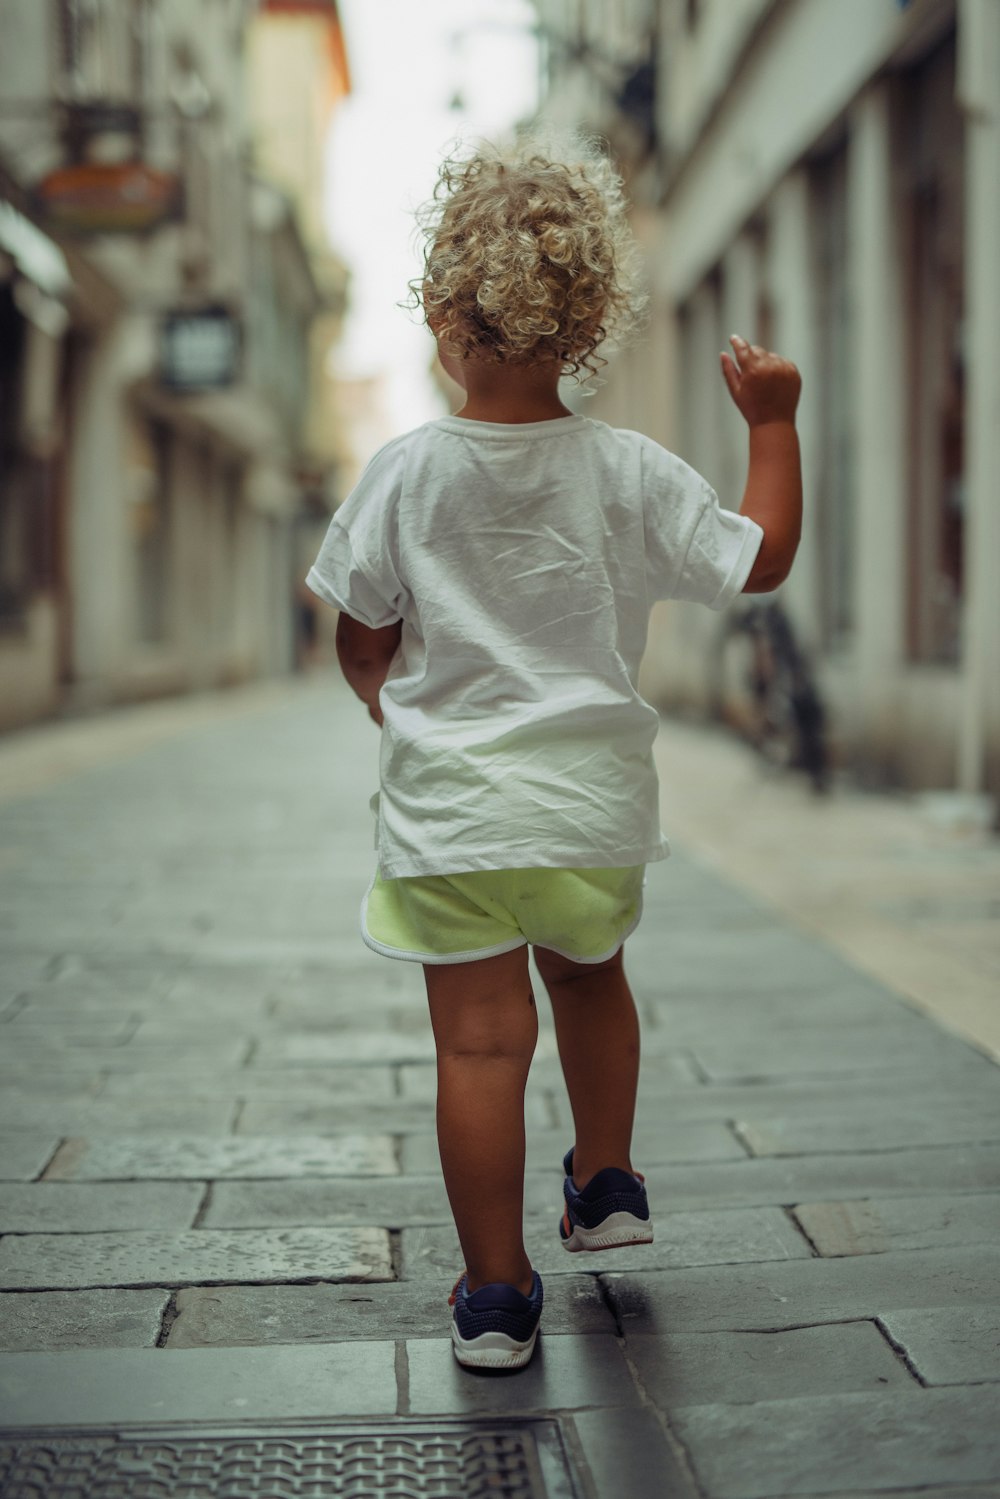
823,177
157,302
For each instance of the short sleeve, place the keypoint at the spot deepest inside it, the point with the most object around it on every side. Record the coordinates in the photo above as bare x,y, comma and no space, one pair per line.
695,550
723,548
357,569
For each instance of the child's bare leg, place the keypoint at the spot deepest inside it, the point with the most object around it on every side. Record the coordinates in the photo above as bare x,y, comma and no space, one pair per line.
485,1029
598,1034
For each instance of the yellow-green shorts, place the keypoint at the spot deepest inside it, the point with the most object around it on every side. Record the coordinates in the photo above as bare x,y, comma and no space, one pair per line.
583,914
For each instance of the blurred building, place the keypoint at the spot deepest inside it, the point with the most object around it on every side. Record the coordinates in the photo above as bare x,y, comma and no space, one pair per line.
157,302
297,74
823,176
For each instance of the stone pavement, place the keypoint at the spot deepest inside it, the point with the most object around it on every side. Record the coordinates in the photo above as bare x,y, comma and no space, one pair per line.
219,1190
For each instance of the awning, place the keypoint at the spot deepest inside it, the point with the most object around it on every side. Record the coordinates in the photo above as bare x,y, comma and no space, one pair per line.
38,258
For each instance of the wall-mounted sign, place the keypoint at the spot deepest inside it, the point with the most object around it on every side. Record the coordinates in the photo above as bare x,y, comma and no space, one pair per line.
200,349
108,197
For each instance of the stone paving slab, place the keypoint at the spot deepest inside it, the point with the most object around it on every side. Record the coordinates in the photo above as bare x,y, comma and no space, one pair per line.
81,1319
812,1444
249,1315
24,1154
730,1367
802,1292
349,1046
875,1125
130,1158
109,985
181,1061
566,1373
388,1202
340,1083
380,999
766,955
825,1050
29,1027
688,1098
215,1015
704,1140
803,1101
104,1116
113,1387
71,1207
877,1225
627,1455
741,1234
316,1114
20,972
740,1019
672,1069
270,1033
849,992
796,1179
957,1345
33,1083
249,1256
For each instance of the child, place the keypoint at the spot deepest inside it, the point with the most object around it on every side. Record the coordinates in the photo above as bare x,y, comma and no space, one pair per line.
495,571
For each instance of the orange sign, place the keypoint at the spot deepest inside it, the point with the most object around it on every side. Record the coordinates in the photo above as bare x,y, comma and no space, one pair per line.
108,198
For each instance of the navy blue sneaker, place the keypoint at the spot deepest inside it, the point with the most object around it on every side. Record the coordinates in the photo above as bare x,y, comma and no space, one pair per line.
495,1327
611,1211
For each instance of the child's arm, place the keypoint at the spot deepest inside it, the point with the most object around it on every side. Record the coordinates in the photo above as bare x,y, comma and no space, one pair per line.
766,390
365,655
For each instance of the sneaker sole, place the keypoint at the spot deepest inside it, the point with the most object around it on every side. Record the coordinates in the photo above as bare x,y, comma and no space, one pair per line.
492,1350
617,1231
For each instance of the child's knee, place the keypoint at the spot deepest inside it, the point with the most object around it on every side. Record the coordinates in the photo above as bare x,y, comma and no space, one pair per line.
486,1036
484,1010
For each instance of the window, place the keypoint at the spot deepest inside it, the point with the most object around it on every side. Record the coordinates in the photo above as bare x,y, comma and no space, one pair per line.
98,55
935,320
28,481
151,530
835,500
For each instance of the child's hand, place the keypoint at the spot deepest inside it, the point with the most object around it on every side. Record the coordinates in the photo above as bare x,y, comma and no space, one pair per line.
764,386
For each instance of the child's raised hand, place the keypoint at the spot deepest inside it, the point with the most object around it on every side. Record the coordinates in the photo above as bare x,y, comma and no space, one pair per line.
764,386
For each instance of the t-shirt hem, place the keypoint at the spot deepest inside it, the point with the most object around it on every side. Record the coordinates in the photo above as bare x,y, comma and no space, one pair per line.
521,858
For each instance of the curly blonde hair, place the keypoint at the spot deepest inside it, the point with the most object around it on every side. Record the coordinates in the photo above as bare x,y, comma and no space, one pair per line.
529,255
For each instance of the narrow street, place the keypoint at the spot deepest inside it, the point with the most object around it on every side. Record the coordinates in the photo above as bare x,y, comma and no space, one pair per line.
220,1200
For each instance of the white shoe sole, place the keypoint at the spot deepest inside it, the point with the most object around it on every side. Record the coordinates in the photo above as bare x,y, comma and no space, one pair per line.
617,1230
492,1350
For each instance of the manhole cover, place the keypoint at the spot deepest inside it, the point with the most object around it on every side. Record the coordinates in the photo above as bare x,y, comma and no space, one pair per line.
440,1460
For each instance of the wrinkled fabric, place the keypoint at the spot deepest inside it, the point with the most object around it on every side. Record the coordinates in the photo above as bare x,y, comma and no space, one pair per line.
523,561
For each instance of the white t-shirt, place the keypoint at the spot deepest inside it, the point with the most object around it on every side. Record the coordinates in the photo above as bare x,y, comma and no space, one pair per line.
523,561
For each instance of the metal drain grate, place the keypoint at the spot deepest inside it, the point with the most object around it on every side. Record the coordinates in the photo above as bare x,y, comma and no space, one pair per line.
440,1460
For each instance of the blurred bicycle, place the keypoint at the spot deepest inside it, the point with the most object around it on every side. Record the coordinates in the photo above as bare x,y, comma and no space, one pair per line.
777,704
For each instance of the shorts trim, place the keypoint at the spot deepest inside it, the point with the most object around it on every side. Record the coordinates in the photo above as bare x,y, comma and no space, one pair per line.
472,955
422,957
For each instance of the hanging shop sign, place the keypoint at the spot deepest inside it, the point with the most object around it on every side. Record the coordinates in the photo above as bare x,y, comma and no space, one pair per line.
98,197
200,349
105,187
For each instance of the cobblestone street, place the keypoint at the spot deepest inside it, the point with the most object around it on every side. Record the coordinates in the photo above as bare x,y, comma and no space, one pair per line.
221,1201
